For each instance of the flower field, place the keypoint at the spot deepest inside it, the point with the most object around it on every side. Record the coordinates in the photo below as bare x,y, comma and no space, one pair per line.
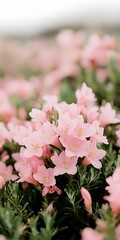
60,138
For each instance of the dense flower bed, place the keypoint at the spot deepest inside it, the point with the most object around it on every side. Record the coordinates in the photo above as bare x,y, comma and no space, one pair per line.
59,152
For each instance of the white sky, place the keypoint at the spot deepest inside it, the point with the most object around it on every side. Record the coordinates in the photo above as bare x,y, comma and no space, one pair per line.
27,17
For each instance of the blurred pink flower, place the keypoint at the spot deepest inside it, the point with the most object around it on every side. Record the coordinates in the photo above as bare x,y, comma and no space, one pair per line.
85,95
90,234
108,115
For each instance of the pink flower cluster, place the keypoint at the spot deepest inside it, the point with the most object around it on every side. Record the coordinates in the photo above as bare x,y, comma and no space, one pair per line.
57,136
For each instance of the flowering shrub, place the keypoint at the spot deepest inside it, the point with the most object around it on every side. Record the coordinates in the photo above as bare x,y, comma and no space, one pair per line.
59,154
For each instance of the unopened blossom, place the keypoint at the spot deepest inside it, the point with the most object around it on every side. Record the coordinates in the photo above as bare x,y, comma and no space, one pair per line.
2,182
87,199
51,190
64,164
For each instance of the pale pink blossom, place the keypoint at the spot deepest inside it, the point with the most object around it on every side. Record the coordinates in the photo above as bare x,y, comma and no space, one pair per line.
64,164
66,124
82,130
26,167
7,111
70,109
107,115
19,132
75,146
93,156
85,95
45,176
37,116
98,136
33,145
4,134
6,173
91,113
47,133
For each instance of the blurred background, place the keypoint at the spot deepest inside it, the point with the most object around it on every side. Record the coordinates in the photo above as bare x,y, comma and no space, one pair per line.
31,18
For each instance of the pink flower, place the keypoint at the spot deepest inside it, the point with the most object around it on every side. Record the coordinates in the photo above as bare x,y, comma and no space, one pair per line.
19,132
114,191
47,133
93,156
85,96
6,174
37,116
70,109
90,234
66,124
82,130
26,167
33,145
25,172
107,115
4,134
75,146
64,164
45,176
98,136
87,199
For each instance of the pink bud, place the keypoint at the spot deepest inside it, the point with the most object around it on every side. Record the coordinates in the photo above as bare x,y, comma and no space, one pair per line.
87,199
